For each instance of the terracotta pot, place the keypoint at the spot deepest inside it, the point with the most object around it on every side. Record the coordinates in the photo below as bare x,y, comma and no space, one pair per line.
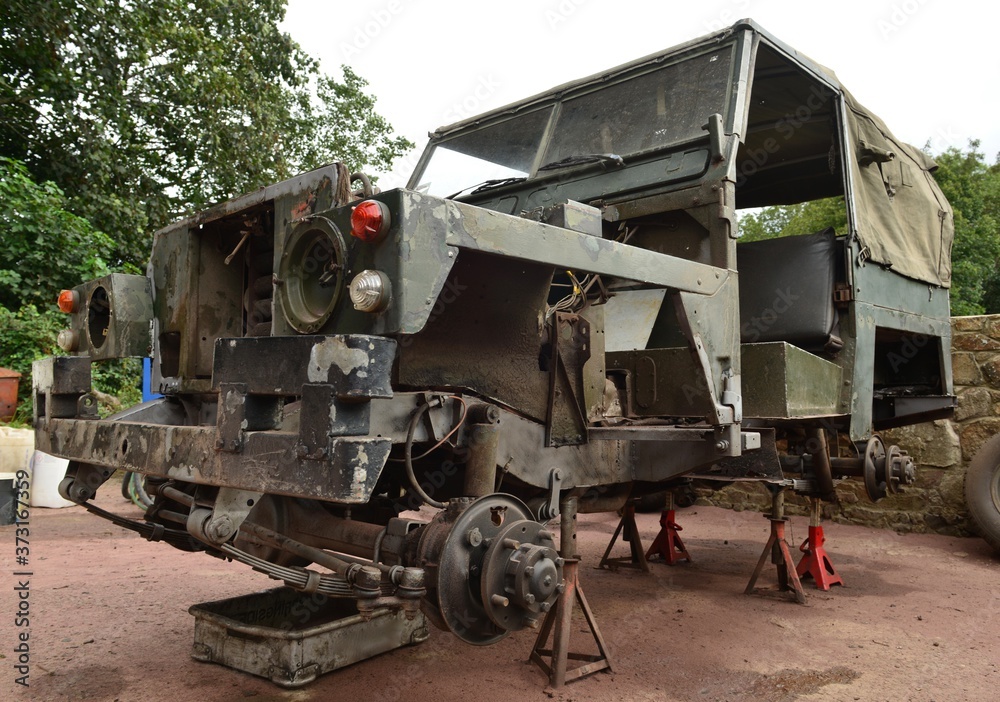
9,381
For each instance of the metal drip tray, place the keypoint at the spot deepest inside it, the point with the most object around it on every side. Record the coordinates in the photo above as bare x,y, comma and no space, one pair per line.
291,638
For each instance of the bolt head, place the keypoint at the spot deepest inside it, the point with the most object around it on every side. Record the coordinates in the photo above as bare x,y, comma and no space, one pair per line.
475,537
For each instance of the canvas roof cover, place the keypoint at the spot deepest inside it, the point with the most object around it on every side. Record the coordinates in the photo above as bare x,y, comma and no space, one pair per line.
903,219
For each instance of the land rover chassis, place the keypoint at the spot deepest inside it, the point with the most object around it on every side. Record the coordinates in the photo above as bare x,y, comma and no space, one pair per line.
576,325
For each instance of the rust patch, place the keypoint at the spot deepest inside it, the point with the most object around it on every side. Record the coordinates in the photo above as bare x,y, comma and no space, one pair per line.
305,207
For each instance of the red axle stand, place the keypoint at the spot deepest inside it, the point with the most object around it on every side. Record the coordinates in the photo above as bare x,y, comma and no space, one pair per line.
668,542
816,561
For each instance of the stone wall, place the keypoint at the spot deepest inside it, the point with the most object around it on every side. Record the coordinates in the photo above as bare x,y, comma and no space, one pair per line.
942,449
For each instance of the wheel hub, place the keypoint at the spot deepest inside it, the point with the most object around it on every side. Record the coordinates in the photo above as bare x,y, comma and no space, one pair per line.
522,575
497,568
887,471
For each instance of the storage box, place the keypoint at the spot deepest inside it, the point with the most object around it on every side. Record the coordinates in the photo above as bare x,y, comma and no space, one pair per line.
783,381
291,637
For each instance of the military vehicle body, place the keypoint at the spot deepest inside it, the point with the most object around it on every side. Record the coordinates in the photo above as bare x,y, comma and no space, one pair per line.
557,306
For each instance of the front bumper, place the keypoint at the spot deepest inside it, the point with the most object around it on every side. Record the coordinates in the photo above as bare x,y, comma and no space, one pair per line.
331,456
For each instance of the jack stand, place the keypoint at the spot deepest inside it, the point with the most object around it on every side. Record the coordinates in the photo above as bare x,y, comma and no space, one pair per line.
781,556
668,543
816,561
561,615
630,533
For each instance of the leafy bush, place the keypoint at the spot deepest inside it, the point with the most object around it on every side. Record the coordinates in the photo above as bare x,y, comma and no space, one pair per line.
120,378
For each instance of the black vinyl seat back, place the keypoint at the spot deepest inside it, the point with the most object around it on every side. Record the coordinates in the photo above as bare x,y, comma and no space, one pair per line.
786,291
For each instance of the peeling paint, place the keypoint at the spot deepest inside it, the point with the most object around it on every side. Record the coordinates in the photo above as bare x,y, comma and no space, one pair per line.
360,474
334,352
592,245
233,401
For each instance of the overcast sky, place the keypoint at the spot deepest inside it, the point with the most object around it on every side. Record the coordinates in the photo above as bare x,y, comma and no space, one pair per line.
929,68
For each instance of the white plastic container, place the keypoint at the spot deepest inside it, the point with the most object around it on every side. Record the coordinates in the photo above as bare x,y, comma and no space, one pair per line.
46,474
16,447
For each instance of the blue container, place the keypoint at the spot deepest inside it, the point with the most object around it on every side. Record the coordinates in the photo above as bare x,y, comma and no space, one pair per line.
147,373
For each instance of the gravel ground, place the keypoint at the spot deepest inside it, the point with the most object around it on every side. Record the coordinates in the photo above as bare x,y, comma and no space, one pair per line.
918,619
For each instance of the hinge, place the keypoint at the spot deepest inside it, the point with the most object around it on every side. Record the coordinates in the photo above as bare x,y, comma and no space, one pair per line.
842,294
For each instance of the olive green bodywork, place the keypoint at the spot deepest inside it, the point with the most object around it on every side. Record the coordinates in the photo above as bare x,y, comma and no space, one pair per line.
784,131
562,310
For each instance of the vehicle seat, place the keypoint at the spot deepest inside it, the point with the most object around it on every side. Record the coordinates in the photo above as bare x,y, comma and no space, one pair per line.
786,291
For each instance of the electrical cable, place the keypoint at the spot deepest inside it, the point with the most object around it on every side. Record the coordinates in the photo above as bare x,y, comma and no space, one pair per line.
137,492
435,447
461,420
408,458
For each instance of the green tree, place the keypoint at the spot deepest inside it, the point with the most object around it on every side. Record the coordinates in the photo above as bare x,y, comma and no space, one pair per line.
143,111
43,247
793,220
973,189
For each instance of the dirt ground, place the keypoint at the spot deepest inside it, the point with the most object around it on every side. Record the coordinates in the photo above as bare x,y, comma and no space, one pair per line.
919,619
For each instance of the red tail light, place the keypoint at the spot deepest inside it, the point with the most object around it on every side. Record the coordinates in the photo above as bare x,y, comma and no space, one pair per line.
369,221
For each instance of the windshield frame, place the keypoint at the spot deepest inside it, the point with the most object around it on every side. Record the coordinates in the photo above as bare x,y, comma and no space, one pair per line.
555,100
483,126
